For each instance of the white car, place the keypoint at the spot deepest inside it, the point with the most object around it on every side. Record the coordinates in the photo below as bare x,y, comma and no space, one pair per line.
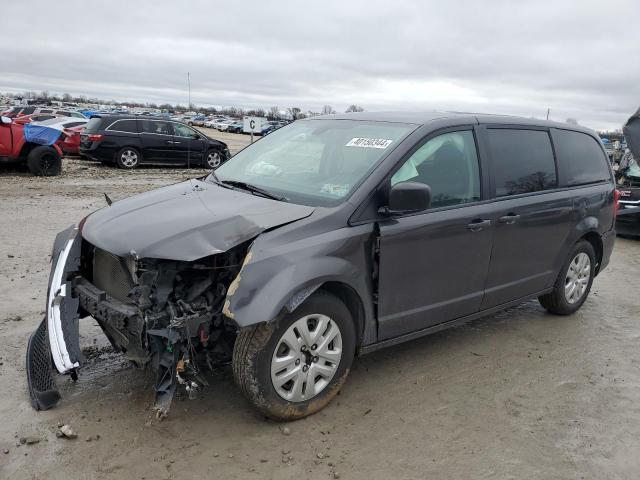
60,123
215,122
209,123
222,126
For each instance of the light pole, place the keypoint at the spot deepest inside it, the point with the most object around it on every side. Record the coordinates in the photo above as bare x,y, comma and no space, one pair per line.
189,84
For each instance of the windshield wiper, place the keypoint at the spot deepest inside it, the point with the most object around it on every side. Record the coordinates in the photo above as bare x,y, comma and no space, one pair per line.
251,188
214,178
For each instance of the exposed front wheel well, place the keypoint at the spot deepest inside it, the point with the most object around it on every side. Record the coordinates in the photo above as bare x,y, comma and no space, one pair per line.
26,149
596,242
352,301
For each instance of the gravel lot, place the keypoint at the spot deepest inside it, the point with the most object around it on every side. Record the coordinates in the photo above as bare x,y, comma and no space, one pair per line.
521,394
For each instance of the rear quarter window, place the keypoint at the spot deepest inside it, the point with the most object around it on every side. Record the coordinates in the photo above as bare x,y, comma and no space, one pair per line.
128,126
580,157
521,161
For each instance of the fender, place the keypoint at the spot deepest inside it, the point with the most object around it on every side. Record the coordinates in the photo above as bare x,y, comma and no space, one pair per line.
58,149
271,281
586,225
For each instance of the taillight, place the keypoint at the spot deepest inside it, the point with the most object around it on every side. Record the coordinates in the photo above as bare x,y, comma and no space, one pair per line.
95,138
616,202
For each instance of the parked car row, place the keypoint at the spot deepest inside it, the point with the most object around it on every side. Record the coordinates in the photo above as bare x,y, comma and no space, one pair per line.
15,112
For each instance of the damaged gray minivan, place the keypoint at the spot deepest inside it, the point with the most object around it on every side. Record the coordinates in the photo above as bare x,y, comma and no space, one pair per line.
331,237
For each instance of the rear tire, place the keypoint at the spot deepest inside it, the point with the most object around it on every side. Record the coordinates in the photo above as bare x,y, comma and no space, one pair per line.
128,158
574,281
44,161
258,353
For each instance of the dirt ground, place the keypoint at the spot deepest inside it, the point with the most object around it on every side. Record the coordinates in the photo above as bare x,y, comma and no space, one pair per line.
518,395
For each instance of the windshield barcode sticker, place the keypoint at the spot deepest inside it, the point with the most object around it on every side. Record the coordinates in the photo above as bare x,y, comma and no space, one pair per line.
369,142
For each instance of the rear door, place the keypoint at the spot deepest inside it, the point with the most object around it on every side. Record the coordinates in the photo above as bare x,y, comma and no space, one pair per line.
188,144
157,141
433,265
531,214
585,169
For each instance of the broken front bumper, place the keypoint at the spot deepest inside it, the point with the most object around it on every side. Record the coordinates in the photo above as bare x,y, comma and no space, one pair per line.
56,338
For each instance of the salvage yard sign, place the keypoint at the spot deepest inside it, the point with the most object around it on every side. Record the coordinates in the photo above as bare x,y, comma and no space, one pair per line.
253,124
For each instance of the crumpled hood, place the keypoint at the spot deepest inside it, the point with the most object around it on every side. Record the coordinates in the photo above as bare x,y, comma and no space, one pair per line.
186,221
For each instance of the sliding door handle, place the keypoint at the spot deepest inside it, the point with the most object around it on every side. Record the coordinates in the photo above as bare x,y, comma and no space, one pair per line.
509,219
478,224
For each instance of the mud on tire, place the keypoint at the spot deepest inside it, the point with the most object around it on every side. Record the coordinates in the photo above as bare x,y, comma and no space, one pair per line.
254,350
44,161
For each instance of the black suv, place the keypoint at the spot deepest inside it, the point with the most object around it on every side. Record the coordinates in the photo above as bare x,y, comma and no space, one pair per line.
129,141
331,237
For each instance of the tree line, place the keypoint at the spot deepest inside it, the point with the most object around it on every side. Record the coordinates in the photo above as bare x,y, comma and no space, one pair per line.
272,113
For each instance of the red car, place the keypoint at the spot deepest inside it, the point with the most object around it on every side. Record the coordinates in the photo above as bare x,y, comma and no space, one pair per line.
34,117
41,159
70,140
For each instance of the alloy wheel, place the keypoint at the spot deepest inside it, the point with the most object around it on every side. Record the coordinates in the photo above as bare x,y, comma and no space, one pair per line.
214,160
577,279
129,158
306,358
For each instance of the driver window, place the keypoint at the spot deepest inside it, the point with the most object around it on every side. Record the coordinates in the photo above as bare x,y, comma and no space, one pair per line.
183,131
447,163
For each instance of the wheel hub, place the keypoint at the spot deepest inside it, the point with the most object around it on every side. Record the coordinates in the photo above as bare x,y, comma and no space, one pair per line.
577,279
306,358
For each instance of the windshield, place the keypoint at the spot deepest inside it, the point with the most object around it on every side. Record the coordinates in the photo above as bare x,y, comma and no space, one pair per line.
315,162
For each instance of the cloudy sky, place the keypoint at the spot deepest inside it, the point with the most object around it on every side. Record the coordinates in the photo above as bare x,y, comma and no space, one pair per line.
580,58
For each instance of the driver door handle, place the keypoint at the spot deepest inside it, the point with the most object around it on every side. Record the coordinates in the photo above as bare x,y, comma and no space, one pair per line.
509,219
478,224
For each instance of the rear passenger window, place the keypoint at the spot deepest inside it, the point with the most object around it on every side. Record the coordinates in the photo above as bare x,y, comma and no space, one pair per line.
580,157
156,127
522,161
128,126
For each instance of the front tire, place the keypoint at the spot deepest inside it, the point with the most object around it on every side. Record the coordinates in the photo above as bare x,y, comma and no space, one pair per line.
574,281
128,158
294,366
44,161
213,159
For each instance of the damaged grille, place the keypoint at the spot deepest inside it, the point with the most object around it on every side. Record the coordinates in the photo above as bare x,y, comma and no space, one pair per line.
111,275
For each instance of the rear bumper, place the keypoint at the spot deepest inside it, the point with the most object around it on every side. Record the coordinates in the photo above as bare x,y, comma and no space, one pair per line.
97,152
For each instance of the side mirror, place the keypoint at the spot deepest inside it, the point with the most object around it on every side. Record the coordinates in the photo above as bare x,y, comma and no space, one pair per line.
408,197
5,120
